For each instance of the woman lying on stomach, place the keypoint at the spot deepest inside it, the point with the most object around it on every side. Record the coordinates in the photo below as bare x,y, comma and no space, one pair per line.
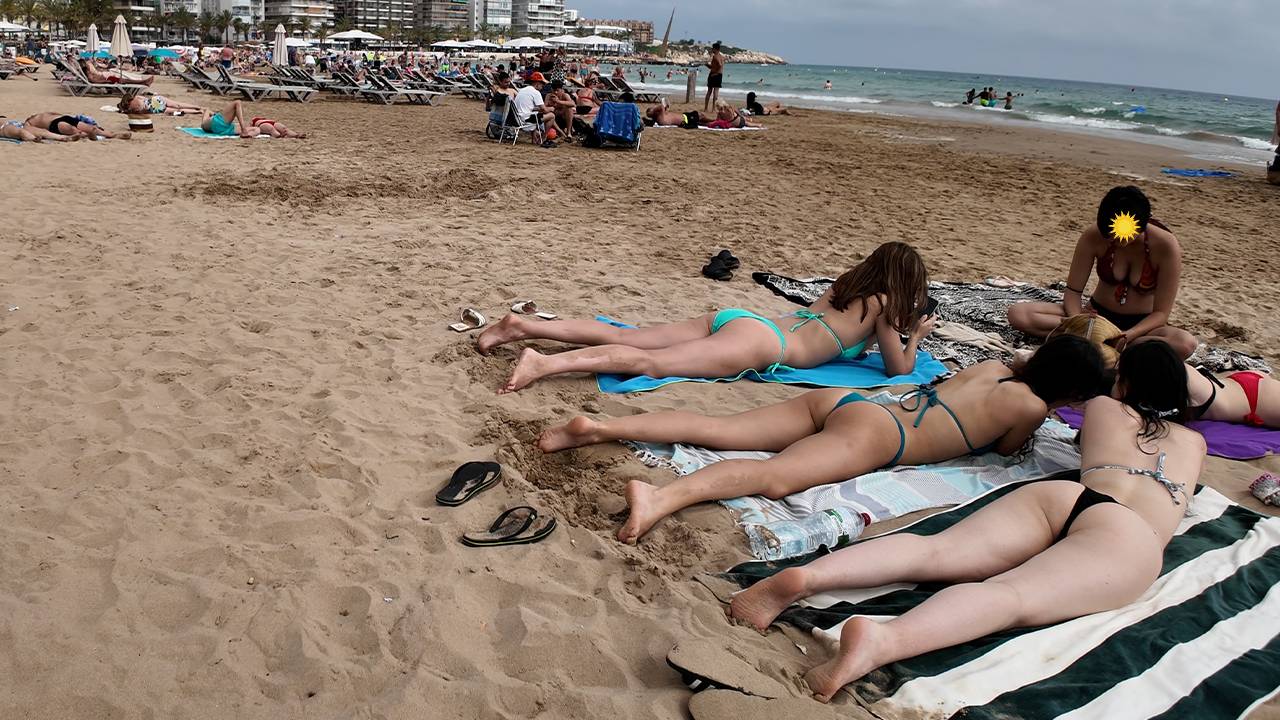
875,302
1045,553
827,436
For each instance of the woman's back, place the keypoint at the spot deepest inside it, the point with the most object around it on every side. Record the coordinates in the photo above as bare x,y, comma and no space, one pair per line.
1111,438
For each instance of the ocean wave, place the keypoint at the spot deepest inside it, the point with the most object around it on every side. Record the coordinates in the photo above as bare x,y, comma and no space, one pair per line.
771,94
1094,110
937,103
1084,122
1253,143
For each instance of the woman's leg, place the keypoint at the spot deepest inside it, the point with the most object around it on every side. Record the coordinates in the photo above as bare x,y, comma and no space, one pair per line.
90,130
770,428
858,439
39,134
271,129
592,332
285,132
736,347
1108,560
1036,318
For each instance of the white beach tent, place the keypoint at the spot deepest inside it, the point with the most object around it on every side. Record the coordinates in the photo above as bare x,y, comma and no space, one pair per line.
279,50
567,40
294,42
355,35
8,27
450,44
601,42
478,43
525,43
120,46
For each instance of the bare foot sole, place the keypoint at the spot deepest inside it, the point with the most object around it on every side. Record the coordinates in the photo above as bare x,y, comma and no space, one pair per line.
575,433
641,498
761,603
860,642
507,330
528,369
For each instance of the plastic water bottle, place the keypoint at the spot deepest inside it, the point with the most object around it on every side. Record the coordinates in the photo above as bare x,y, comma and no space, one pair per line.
835,527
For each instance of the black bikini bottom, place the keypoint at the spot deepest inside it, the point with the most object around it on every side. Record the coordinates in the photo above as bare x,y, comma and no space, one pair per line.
1087,499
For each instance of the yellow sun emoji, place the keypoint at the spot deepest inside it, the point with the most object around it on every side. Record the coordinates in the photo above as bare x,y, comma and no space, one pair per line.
1124,227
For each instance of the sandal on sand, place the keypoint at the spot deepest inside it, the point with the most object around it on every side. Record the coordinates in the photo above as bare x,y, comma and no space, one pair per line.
716,270
472,319
469,480
727,259
517,526
529,307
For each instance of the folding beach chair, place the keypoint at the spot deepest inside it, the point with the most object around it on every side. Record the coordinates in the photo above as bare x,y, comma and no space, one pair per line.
511,126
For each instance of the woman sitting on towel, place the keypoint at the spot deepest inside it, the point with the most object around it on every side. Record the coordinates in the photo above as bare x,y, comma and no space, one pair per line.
827,436
1139,267
1046,553
875,302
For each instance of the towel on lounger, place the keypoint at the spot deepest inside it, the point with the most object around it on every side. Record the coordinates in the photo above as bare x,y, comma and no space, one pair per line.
1229,440
865,372
1203,642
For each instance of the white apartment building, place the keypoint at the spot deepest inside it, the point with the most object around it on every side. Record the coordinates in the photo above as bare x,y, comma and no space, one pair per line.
496,13
291,12
537,17
249,12
373,15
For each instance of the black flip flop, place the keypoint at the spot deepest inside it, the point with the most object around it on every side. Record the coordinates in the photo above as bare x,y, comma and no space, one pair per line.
716,270
727,259
469,480
517,526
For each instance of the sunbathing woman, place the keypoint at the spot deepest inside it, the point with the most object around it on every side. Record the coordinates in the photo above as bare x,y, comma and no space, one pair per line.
774,108
1137,285
73,126
876,301
155,105
727,118
1046,553
22,132
827,436
112,77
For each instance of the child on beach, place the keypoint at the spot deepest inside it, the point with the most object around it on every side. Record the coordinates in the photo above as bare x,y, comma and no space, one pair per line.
877,301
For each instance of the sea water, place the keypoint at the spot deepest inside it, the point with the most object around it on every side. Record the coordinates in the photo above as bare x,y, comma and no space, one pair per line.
1218,127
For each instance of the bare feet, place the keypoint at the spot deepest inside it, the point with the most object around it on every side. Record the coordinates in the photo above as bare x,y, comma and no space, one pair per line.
124,136
528,369
642,499
575,433
507,329
862,640
761,603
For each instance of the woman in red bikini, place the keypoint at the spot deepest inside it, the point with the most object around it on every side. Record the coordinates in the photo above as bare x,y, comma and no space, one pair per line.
1139,267
1251,398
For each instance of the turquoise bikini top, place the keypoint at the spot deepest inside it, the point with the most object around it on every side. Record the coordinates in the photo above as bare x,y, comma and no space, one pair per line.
845,353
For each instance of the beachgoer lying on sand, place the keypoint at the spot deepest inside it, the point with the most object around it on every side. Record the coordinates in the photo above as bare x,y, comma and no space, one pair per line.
23,132
276,129
727,118
877,301
827,436
1139,267
1045,553
73,125
225,122
755,108
113,77
664,116
155,105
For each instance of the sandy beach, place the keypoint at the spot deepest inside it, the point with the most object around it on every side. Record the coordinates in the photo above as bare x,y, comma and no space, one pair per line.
230,395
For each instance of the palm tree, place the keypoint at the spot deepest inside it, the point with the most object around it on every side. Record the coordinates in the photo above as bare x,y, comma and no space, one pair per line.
185,21
241,28
207,23
8,9
158,23
223,20
27,10
305,27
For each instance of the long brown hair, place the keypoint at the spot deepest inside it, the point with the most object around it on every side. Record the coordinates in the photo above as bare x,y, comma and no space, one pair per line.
895,270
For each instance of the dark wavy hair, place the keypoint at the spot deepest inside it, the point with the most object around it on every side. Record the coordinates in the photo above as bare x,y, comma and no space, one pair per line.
1153,382
1125,198
896,270
1066,369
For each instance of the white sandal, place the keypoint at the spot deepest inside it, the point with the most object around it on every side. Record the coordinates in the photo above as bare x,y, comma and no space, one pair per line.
529,307
472,319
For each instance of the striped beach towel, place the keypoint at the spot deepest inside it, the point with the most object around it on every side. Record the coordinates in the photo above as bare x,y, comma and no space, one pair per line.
1203,642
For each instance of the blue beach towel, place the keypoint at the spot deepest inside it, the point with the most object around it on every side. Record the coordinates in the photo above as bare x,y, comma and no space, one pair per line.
865,372
1181,172
200,133
619,122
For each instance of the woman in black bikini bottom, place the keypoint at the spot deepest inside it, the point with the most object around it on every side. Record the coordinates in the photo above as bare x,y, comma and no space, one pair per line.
1045,553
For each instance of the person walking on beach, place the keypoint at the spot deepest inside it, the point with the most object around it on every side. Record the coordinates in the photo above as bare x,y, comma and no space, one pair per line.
715,77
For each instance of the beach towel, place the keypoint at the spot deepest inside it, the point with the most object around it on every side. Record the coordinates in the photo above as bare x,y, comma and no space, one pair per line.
882,494
1226,440
200,133
704,127
1181,172
618,122
864,372
1203,642
985,308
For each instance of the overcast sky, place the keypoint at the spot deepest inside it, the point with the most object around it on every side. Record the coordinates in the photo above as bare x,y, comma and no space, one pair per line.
1223,46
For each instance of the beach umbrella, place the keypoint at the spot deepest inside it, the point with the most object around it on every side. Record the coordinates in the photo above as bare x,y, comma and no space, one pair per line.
525,43
120,46
567,40
280,51
75,43
92,44
296,42
164,54
355,35
100,55
477,43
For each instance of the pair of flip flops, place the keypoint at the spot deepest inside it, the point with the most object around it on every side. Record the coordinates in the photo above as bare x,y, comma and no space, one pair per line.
517,526
721,266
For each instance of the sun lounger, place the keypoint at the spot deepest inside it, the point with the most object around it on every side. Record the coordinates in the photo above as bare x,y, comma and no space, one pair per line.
5,73
622,86
75,82
383,91
254,91
196,79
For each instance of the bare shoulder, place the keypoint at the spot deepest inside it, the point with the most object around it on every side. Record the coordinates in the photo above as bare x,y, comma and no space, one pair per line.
1092,238
1016,396
1162,241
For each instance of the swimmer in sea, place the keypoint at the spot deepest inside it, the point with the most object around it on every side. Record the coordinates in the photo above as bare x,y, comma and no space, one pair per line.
826,85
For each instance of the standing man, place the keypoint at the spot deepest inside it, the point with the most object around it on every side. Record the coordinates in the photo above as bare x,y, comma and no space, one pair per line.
715,76
1273,170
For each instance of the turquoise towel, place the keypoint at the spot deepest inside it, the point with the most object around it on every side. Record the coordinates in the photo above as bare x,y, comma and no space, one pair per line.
200,133
865,372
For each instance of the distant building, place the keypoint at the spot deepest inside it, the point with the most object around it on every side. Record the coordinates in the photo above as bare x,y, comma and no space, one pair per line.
140,31
445,13
290,13
641,30
537,17
249,12
373,15
494,13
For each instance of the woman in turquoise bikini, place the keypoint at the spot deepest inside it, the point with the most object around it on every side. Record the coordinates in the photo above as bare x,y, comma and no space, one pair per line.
876,301
827,436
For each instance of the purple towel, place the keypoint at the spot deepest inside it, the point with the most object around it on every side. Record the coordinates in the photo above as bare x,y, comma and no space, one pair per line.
1228,440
